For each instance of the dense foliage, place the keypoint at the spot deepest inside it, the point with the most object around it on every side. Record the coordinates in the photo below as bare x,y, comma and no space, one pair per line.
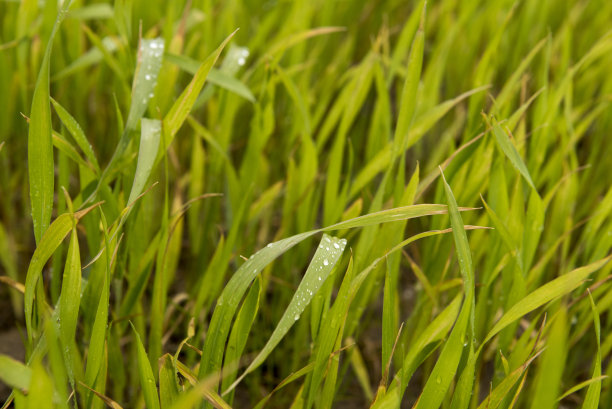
340,204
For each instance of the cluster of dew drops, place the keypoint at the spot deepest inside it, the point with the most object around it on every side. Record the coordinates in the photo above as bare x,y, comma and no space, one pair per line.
330,246
151,51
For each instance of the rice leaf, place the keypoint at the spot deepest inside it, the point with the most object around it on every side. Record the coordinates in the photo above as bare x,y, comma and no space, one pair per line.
145,374
548,292
547,383
432,334
408,100
40,147
70,299
77,133
40,389
239,335
323,262
182,106
150,134
505,387
445,369
51,240
168,382
14,373
507,147
591,400
215,76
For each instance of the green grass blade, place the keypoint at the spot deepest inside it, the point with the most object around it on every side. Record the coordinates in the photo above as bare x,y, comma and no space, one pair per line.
433,333
390,215
180,109
40,147
215,76
77,133
62,145
89,58
291,378
505,387
96,359
150,57
168,382
591,400
582,385
547,383
389,316
239,335
145,374
50,241
150,60
14,373
323,262
446,367
548,292
149,146
41,388
507,147
328,335
408,100
70,299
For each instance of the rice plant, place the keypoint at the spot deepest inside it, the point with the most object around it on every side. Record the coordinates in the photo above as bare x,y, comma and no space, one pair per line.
306,204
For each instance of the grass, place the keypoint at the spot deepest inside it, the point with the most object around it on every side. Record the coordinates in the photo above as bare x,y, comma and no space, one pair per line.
306,204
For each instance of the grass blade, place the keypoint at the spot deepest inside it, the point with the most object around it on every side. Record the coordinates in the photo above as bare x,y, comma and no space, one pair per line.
507,147
149,147
70,299
168,382
40,146
147,380
323,262
240,332
180,109
77,133
51,240
215,76
548,292
14,373
591,401
442,375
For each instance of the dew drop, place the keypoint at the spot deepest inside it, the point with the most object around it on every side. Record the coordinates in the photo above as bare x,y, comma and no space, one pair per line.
438,380
325,262
336,245
297,317
241,61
